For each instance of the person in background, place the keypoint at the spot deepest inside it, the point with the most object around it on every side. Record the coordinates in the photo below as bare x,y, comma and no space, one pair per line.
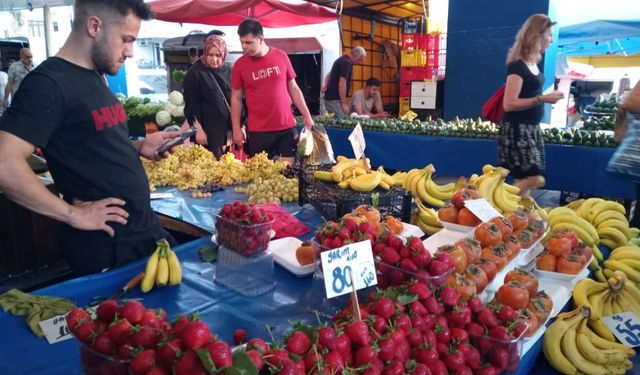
337,83
66,107
207,91
16,73
368,101
265,77
3,83
193,55
520,142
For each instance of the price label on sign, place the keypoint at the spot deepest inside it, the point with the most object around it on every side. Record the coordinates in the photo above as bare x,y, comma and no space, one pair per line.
55,329
357,141
347,268
482,209
625,326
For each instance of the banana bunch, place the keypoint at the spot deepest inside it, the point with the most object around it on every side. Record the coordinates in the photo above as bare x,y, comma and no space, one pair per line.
566,218
492,187
609,219
420,183
625,260
572,347
426,219
163,267
357,175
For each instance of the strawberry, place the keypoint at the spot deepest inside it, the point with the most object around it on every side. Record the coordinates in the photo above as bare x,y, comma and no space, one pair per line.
170,352
276,357
103,344
195,335
385,308
475,304
474,329
256,358
239,336
312,362
343,346
125,352
334,362
460,315
507,314
404,252
336,243
387,349
327,338
358,333
519,328
425,353
298,343
344,234
429,322
408,265
376,368
459,335
454,361
378,248
146,337
107,310
389,255
395,242
421,290
418,323
150,319
189,364
178,324
395,368
437,268
442,349
75,317
403,322
449,296
87,331
433,306
397,276
472,358
437,367
499,358
417,309
443,334
143,362
221,354
500,333
157,371
415,338
120,331
421,369
487,318
364,355
258,344
487,369
132,311
378,324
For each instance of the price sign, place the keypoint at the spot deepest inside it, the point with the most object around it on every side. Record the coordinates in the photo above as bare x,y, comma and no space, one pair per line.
347,268
55,329
482,209
357,141
625,326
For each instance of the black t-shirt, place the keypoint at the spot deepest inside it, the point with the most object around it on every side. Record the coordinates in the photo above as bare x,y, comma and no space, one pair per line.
531,87
82,128
342,67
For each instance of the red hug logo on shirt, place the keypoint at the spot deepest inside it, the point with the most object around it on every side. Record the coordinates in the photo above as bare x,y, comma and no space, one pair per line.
109,116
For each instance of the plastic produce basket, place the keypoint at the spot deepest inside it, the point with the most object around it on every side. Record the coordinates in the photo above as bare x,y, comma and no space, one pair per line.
248,240
333,202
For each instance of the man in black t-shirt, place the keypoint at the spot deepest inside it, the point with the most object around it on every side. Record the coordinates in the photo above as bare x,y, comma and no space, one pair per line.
337,83
65,107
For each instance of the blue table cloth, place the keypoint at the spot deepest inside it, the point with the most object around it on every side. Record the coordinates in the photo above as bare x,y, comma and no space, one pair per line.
568,168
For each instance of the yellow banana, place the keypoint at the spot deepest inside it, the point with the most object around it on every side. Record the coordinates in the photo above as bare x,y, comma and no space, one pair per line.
561,211
340,158
162,276
596,303
552,341
583,289
613,234
429,216
597,254
344,184
407,178
424,195
598,326
428,229
323,176
625,252
599,275
605,206
366,182
150,271
488,168
601,343
596,355
609,215
583,211
175,269
571,351
574,205
386,178
511,189
632,274
488,185
622,226
635,232
336,170
584,235
444,192
500,198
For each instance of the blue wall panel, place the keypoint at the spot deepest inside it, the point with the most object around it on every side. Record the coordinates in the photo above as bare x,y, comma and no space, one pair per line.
479,36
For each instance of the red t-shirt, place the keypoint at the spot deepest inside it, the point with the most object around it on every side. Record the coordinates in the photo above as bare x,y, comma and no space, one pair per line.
264,81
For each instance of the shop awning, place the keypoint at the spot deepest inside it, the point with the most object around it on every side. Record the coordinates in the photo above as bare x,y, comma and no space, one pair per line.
270,13
601,37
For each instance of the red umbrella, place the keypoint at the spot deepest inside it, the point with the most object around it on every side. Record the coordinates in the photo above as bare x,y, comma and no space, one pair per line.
270,13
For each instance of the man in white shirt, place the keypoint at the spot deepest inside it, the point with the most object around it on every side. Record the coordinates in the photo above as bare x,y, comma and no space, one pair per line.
17,71
364,101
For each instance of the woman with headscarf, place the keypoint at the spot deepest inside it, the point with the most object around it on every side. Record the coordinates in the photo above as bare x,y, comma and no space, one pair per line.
206,95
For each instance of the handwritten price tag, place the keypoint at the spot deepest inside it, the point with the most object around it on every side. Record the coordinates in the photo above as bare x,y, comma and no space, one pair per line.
625,326
55,329
357,141
482,209
342,264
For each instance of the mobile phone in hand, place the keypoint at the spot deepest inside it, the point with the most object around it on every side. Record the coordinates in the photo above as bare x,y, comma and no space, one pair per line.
177,140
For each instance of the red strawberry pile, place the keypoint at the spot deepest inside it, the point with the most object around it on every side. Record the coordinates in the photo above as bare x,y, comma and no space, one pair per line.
332,235
244,228
132,339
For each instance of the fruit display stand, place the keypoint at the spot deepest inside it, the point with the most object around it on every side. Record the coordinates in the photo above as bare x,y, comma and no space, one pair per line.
568,168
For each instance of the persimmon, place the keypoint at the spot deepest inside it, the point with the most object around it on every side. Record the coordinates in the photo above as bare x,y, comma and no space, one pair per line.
305,254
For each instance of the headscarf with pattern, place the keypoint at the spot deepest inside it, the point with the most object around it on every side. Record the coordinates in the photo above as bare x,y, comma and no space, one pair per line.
214,41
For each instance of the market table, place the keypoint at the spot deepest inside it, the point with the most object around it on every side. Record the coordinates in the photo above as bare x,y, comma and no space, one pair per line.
568,168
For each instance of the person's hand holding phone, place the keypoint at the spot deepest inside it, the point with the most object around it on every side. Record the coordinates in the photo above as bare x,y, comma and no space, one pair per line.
151,143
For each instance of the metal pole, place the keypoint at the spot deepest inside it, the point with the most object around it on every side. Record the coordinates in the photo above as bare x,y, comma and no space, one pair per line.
47,29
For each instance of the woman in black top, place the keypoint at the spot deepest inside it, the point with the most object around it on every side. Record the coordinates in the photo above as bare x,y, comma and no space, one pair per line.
521,146
207,91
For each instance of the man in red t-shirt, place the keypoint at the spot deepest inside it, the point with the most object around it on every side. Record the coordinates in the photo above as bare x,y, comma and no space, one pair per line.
266,78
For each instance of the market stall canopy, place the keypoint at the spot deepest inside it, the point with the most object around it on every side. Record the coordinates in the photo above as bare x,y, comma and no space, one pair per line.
8,5
601,37
390,11
270,13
